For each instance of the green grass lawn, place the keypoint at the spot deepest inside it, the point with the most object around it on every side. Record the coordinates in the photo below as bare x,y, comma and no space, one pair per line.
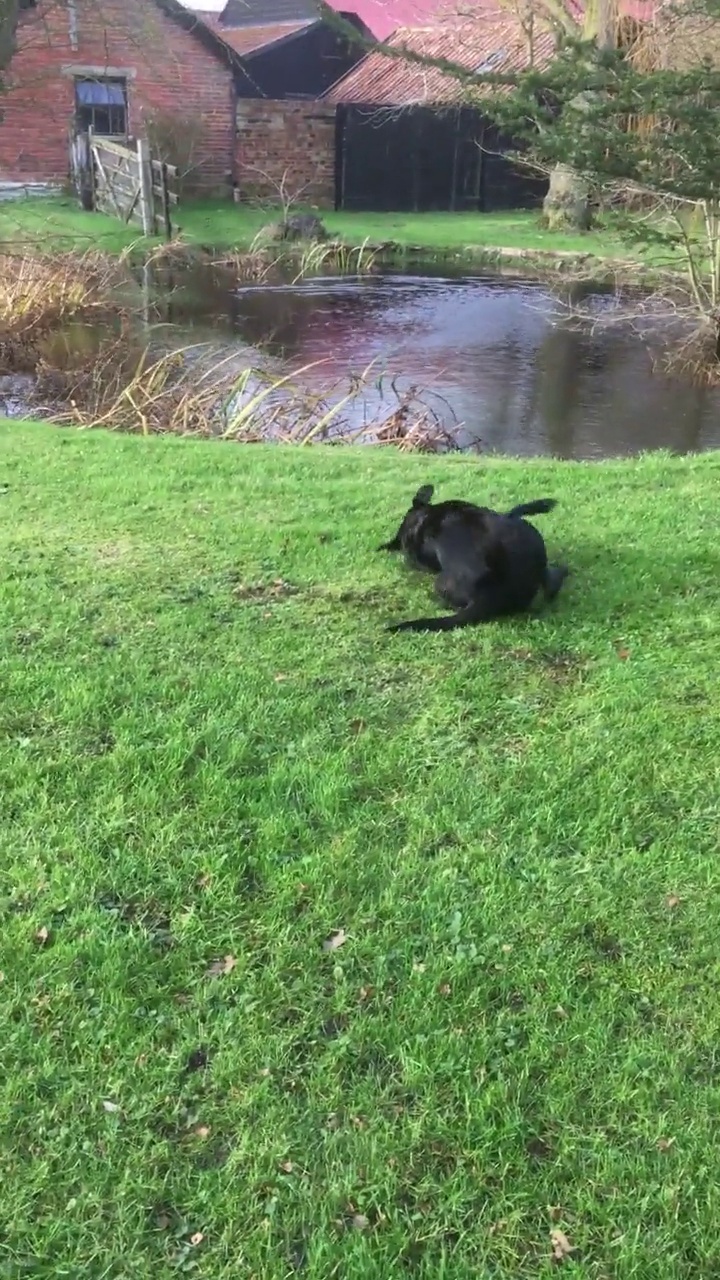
214,759
59,223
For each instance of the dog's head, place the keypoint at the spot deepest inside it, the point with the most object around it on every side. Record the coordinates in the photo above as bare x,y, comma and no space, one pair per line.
423,497
411,532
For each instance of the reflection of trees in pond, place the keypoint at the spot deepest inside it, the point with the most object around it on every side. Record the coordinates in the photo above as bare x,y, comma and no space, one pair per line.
558,376
697,404
274,320
495,379
282,318
599,390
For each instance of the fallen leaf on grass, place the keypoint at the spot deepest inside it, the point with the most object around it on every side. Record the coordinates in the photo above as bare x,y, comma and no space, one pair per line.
444,988
555,1212
202,1131
337,938
672,901
665,1144
220,967
561,1246
287,1166
42,936
623,654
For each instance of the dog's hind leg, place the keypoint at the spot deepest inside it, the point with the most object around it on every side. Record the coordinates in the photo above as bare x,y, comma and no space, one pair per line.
555,575
489,604
393,545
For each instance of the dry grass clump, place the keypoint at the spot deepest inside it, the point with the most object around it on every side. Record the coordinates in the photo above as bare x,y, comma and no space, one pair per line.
264,260
696,356
126,385
40,294
199,391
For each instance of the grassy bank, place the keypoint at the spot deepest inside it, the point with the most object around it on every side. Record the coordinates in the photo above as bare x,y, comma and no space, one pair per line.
333,953
59,223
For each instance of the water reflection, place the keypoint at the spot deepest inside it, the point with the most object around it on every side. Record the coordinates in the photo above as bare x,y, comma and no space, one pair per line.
516,380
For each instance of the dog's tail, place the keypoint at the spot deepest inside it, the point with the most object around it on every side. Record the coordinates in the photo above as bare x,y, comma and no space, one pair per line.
477,611
538,508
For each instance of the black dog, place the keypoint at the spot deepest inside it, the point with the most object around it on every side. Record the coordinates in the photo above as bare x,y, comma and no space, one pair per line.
488,564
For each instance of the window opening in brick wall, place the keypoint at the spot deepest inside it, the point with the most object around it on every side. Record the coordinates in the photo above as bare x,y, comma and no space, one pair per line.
101,105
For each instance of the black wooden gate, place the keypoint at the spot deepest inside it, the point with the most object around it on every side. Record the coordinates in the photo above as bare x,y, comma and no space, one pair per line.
423,160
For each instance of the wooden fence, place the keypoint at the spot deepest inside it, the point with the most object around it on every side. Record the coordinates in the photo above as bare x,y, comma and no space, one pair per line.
125,182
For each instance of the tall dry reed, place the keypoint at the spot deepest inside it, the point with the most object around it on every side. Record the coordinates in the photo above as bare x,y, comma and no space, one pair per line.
41,294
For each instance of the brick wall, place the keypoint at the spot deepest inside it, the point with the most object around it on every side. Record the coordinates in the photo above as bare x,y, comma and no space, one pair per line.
285,142
169,71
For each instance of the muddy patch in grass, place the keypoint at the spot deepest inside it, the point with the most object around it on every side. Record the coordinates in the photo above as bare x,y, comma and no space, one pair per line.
262,592
113,552
373,596
560,665
148,915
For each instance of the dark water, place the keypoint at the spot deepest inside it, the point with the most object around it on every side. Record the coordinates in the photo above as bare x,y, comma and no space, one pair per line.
492,353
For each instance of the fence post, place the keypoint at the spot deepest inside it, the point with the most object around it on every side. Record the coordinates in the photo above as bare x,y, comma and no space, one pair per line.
166,205
147,209
92,176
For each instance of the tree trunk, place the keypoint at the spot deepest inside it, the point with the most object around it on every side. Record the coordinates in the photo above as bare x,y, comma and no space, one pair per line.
566,206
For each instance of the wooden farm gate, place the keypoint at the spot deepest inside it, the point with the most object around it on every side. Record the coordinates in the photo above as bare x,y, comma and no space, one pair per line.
125,182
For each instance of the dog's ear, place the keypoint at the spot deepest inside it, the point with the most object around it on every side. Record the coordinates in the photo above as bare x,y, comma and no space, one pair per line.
423,496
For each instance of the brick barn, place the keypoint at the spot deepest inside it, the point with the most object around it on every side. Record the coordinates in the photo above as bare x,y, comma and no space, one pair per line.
125,67
289,56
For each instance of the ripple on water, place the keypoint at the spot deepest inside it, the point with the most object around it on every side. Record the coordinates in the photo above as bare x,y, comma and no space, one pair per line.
496,351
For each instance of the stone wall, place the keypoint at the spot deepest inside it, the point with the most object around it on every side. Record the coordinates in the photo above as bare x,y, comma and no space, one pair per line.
285,149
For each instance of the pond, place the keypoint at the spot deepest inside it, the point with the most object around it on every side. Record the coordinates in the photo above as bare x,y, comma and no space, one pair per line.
492,352
492,355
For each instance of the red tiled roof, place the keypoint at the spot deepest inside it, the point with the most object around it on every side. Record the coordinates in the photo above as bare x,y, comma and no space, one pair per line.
382,17
385,16
496,42
245,40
